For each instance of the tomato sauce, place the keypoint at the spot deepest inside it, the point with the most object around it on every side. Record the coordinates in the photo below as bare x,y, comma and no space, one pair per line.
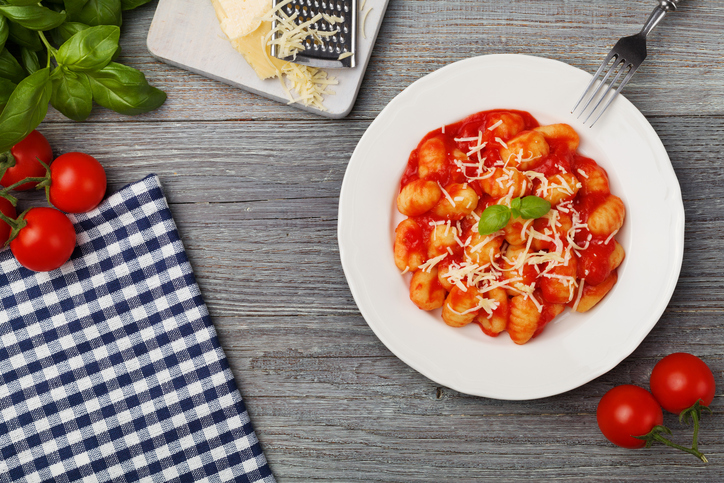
471,147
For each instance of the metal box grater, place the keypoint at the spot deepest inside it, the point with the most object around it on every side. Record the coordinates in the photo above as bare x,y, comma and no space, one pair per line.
325,53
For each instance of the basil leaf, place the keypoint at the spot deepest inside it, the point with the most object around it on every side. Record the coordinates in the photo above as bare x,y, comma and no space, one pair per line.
30,60
72,94
55,6
22,2
66,31
6,88
25,37
10,68
515,204
124,89
494,218
33,17
532,207
100,12
25,109
131,4
89,49
73,7
4,31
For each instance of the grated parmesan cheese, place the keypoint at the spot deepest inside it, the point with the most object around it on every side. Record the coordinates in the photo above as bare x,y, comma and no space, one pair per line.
580,294
428,265
610,236
492,128
312,84
447,195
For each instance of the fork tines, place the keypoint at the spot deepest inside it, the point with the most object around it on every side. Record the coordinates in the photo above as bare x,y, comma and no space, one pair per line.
625,57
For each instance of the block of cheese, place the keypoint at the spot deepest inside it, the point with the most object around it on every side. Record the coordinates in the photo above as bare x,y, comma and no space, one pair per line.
241,21
250,47
239,18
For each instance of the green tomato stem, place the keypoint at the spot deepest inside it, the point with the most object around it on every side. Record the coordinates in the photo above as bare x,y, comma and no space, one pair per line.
22,182
8,220
655,435
15,225
7,160
695,441
13,200
693,451
42,182
46,181
694,412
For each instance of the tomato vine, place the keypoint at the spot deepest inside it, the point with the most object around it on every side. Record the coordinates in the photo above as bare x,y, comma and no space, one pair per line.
631,417
43,238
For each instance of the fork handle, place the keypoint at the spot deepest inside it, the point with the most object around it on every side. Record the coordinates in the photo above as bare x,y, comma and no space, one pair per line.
659,12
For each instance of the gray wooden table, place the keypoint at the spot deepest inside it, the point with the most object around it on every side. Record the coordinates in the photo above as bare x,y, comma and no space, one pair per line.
258,217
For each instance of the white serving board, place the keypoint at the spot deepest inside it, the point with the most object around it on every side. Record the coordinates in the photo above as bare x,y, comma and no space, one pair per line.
186,34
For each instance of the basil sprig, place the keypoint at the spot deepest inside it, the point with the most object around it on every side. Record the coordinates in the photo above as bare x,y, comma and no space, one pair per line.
71,67
25,108
495,217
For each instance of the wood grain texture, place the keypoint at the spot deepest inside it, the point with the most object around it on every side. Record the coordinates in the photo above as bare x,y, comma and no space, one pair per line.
258,218
683,73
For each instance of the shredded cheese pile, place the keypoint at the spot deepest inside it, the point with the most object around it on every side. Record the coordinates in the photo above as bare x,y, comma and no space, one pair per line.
290,36
311,84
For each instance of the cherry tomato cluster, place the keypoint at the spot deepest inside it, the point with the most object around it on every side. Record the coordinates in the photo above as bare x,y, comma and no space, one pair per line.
43,238
631,417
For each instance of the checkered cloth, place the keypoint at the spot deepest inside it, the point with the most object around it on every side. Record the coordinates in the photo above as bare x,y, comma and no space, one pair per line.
110,368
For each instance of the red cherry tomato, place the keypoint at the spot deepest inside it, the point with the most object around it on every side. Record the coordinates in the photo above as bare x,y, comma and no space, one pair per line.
8,210
26,165
46,242
77,182
679,380
627,411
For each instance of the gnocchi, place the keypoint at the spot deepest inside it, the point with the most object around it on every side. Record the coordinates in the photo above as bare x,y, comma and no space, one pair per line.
525,151
426,291
520,278
418,197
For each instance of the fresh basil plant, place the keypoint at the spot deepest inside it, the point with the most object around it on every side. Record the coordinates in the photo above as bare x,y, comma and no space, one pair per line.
70,68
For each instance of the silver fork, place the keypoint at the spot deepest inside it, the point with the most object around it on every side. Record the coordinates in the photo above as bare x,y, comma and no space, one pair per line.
627,55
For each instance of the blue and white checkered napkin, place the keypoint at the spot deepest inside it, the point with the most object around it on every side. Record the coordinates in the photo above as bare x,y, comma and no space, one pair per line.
110,368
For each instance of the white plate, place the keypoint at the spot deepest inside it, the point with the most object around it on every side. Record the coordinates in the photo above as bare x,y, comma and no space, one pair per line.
574,348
